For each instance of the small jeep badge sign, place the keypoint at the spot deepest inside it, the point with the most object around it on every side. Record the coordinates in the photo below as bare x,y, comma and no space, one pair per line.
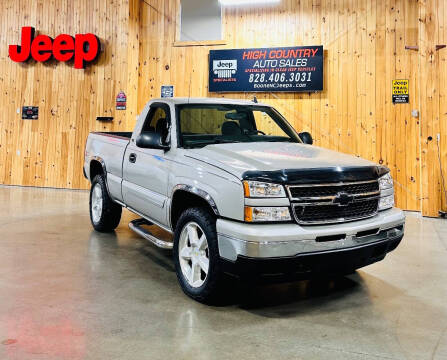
167,91
30,113
121,101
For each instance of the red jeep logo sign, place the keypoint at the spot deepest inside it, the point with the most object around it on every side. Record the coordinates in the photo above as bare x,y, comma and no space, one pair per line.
83,48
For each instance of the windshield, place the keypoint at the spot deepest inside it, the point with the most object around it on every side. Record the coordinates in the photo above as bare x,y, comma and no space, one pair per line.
202,125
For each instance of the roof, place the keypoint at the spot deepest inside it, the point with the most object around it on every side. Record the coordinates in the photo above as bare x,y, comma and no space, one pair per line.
178,101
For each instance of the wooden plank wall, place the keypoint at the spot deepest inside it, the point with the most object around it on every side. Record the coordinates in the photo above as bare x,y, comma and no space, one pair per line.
49,151
433,100
364,43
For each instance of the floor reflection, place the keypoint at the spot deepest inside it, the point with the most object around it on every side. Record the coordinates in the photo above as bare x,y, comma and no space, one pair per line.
115,296
103,247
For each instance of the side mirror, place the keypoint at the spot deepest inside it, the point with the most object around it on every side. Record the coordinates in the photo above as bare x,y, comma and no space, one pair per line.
306,138
151,140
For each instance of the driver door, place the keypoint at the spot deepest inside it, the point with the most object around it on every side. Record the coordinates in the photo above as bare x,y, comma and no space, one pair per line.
145,171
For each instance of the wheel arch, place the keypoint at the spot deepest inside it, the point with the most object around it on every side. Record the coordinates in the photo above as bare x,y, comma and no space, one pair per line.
97,167
187,196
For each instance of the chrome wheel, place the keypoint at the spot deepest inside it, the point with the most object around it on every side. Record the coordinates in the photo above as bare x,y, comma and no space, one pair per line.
193,254
96,203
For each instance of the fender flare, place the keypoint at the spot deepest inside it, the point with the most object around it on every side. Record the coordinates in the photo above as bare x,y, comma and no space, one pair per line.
199,192
101,161
103,164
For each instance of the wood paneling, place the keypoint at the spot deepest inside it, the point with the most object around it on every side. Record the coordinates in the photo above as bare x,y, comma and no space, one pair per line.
364,42
49,151
433,73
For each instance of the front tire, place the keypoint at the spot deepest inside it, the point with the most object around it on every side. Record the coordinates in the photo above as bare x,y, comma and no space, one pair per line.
105,214
196,255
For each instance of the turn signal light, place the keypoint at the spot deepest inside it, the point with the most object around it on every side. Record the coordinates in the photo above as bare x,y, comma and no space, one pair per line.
266,214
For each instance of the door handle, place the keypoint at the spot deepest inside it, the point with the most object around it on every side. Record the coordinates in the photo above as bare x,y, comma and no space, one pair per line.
133,158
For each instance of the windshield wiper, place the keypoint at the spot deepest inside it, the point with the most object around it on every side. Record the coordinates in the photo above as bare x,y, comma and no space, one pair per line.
214,142
278,140
225,141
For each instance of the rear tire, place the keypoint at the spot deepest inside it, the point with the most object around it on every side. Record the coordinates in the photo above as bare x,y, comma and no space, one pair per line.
196,255
105,214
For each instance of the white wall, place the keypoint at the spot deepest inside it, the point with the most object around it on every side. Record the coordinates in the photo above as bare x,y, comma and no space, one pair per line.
201,20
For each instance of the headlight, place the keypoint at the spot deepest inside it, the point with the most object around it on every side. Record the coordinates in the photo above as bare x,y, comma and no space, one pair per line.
264,214
386,200
386,182
262,189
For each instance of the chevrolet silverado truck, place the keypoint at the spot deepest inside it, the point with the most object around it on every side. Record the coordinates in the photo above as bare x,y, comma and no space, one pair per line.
240,192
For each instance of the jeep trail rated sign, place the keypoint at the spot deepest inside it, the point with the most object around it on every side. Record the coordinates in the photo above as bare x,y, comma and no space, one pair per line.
401,94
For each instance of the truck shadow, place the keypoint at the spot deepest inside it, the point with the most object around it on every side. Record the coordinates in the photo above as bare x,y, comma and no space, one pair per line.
267,300
160,257
285,299
259,297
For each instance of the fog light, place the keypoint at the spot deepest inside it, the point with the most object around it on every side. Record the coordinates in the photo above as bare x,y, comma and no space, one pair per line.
393,233
386,202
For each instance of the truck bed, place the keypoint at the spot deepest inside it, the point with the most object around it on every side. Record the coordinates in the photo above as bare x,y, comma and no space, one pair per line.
109,148
124,135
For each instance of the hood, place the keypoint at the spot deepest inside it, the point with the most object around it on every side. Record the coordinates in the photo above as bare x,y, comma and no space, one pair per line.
240,158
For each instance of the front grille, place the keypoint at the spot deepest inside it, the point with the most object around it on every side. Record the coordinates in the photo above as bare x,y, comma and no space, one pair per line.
307,192
335,213
334,203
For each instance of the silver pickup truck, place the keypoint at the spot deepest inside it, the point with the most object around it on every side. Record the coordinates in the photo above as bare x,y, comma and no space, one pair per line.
241,193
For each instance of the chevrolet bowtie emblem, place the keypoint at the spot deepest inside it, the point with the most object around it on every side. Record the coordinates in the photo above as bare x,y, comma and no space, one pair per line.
343,199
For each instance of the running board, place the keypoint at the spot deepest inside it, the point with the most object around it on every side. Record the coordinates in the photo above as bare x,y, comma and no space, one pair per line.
136,226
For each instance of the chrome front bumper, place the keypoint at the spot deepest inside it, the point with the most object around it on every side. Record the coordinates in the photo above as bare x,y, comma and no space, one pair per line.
285,240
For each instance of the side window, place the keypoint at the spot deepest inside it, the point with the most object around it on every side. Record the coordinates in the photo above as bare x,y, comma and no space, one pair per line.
195,121
157,121
153,118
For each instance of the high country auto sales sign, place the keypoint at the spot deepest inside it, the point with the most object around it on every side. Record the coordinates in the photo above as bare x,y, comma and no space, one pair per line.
289,69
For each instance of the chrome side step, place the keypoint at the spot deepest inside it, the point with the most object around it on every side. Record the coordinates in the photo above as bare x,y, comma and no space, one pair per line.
136,226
